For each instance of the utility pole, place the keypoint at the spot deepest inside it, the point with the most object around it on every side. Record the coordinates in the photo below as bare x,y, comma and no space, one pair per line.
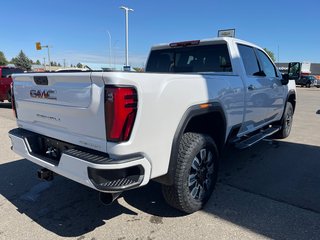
126,9
110,57
114,47
64,63
49,57
44,63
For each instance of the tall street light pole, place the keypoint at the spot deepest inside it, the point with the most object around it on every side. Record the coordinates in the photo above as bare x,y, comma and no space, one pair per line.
110,56
126,9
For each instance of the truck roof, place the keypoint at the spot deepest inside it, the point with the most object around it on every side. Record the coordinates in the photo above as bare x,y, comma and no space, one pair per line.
204,42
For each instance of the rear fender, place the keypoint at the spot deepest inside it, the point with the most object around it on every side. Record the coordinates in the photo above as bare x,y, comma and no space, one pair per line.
190,114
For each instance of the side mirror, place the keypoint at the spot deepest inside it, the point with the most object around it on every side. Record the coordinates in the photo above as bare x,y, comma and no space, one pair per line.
285,79
294,70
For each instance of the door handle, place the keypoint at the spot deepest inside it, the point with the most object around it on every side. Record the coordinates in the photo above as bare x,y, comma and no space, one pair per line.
251,87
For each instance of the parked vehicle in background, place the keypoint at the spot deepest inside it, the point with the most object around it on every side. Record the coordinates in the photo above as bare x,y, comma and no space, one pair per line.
317,83
307,81
114,131
6,80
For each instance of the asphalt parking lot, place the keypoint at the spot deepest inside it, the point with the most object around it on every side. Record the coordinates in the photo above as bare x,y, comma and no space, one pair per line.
270,191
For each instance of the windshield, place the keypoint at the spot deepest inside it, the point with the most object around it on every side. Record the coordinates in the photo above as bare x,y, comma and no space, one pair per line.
9,71
209,58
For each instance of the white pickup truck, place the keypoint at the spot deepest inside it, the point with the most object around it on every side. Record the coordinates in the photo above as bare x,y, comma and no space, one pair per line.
114,131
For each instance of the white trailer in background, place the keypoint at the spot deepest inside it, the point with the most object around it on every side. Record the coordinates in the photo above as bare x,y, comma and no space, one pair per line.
305,68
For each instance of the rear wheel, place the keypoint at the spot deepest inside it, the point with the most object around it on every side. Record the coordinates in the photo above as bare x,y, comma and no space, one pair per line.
195,174
308,85
286,122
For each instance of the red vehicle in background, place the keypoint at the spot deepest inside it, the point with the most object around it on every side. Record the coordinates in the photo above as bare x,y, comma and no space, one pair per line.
6,80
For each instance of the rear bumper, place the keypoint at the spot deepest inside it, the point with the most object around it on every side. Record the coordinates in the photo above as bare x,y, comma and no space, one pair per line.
89,168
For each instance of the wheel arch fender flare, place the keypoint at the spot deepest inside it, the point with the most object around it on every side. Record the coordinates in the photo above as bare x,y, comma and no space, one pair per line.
190,113
291,97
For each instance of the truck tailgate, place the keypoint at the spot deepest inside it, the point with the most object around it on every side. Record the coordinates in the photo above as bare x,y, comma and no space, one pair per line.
63,104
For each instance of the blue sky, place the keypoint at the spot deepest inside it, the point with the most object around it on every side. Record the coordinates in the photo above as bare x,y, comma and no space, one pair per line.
77,30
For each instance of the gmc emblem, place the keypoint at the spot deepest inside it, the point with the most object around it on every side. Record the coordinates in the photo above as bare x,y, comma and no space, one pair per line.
46,94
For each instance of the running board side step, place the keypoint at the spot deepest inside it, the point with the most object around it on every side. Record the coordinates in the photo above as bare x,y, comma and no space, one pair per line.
257,137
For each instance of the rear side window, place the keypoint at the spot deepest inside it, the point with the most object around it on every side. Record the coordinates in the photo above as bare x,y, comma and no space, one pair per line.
209,58
249,59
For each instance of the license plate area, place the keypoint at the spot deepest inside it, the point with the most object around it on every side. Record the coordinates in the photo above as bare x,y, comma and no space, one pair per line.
46,148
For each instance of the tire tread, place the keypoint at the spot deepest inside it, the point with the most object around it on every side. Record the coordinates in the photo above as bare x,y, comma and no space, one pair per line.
174,194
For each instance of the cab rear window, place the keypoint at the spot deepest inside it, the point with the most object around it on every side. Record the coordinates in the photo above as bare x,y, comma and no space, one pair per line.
208,58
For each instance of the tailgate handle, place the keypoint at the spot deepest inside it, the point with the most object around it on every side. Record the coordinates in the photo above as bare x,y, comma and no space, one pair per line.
40,80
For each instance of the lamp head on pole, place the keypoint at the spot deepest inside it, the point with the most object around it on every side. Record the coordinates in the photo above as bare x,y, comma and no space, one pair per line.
126,8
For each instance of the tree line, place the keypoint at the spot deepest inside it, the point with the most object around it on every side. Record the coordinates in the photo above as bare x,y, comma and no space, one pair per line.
23,62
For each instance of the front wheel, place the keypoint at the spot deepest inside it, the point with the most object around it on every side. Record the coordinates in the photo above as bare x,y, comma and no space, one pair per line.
195,175
308,85
286,122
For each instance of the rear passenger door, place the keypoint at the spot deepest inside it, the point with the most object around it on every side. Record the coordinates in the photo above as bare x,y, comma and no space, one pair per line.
257,86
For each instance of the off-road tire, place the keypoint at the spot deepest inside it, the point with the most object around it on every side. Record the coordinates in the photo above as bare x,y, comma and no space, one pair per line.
179,195
286,122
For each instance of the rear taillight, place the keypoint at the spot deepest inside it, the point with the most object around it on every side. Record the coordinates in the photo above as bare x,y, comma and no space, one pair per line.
120,112
13,102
